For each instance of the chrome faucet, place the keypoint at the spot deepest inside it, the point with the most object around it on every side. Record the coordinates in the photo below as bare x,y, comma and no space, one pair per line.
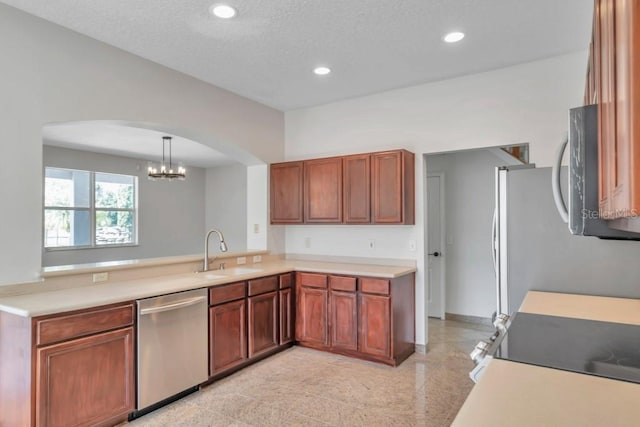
223,247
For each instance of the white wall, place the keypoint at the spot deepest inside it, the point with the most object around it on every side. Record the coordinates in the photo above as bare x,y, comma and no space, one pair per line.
171,215
524,103
469,178
260,235
51,74
226,205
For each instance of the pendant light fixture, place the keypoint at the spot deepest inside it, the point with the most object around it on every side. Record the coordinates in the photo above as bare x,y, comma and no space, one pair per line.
166,171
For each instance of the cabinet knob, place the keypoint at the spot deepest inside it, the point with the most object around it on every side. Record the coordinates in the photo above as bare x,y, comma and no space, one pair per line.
435,254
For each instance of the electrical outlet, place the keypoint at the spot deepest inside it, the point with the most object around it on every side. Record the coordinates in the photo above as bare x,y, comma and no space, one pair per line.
100,277
412,245
372,244
256,228
307,242
241,260
257,258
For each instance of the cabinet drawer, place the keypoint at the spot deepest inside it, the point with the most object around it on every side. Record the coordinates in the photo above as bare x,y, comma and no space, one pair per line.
286,280
340,283
73,325
225,293
263,285
311,280
374,286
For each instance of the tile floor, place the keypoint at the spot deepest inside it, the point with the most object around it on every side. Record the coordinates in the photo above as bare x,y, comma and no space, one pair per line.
303,387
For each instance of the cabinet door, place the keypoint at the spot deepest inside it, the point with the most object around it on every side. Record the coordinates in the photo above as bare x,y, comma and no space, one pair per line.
392,187
262,323
357,189
86,381
606,106
343,309
228,337
626,175
375,325
286,316
323,190
311,316
286,193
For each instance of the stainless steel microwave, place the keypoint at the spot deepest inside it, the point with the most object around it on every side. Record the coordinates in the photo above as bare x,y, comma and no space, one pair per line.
582,213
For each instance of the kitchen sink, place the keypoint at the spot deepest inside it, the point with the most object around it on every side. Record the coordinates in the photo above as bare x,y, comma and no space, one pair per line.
242,270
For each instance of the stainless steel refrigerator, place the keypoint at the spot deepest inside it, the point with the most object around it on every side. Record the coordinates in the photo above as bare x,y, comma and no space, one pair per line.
534,249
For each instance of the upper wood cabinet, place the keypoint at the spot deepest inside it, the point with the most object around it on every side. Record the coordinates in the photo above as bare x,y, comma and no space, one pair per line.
323,190
369,188
616,70
357,189
392,182
286,193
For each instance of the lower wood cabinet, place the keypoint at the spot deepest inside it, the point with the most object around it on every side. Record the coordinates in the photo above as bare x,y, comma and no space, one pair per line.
228,338
374,337
249,320
68,369
343,308
263,323
286,306
311,316
370,318
85,381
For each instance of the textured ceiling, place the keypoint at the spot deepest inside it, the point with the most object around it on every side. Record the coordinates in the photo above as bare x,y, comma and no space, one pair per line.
268,51
145,144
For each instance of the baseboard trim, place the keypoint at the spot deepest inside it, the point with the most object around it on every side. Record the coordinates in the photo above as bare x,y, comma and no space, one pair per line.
422,348
468,319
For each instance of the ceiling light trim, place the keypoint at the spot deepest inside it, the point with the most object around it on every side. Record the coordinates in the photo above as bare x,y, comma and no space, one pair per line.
453,37
223,11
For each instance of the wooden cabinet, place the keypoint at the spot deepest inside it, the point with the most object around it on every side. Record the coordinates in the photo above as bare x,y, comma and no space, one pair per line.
616,58
369,188
263,323
86,381
323,190
374,320
286,308
357,189
287,193
228,338
392,187
68,369
343,313
343,307
311,310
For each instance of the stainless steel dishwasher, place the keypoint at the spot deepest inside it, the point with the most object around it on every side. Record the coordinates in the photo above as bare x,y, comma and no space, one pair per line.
172,345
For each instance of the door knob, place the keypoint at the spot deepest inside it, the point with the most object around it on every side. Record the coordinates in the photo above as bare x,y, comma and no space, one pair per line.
435,254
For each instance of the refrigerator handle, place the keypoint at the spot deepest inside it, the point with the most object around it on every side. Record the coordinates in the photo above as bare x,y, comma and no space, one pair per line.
555,183
494,225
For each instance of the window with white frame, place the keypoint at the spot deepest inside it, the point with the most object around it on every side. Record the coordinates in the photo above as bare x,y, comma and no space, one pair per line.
84,209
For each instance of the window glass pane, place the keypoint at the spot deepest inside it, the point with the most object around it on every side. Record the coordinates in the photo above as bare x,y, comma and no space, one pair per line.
66,188
66,228
114,227
114,191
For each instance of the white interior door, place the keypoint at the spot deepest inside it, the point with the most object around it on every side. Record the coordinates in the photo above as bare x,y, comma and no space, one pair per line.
435,239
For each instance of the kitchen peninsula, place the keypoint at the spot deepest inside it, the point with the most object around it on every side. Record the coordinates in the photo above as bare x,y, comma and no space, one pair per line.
45,336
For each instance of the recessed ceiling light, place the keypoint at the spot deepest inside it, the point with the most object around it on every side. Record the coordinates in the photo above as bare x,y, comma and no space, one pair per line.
223,11
322,71
453,37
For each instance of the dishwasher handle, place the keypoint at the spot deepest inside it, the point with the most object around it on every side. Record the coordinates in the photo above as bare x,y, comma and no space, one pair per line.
172,306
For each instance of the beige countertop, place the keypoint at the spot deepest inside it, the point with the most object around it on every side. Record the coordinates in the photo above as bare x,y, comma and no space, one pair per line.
604,309
43,303
517,394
